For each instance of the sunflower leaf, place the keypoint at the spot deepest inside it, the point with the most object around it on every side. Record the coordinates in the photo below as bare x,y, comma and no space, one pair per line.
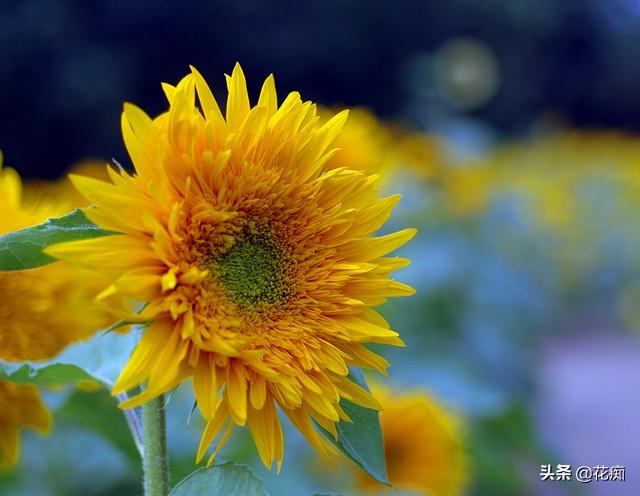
101,358
361,440
47,375
22,249
227,478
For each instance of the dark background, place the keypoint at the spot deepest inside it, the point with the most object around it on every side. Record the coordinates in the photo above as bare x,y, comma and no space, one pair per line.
67,66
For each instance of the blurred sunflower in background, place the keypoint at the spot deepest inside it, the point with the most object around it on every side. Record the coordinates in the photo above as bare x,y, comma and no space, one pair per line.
373,146
423,444
258,264
62,192
566,193
20,407
45,309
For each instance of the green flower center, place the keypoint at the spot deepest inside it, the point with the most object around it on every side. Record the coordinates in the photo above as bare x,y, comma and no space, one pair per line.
255,273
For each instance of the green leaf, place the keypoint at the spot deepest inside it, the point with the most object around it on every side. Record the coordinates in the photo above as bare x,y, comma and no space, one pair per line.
22,249
47,375
361,440
101,358
228,479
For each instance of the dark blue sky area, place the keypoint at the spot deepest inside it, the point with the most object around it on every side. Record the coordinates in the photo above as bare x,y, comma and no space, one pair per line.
66,67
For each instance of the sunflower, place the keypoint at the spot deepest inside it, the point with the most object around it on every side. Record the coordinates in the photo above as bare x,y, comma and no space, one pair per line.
423,445
468,190
257,264
44,309
20,406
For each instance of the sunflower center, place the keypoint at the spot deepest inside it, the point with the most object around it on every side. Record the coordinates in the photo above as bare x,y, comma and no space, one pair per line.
255,273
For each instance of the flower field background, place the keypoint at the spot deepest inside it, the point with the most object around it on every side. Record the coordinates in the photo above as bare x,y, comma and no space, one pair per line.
510,130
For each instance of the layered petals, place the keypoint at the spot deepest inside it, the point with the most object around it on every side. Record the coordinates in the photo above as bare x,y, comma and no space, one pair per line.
257,261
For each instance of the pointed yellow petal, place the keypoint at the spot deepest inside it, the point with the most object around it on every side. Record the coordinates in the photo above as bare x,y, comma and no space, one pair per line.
205,386
321,405
362,331
141,283
141,123
140,364
261,424
207,100
300,418
211,430
268,96
258,392
364,358
221,443
236,392
357,394
140,156
111,254
169,91
238,98
367,249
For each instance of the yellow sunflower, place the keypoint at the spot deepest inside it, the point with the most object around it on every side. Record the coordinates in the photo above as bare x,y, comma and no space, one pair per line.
423,445
41,310
257,264
20,407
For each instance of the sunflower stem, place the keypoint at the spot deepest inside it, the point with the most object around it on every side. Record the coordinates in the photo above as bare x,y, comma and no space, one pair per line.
156,466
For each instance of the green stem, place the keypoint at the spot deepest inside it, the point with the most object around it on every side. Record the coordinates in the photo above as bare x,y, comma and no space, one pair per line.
156,467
